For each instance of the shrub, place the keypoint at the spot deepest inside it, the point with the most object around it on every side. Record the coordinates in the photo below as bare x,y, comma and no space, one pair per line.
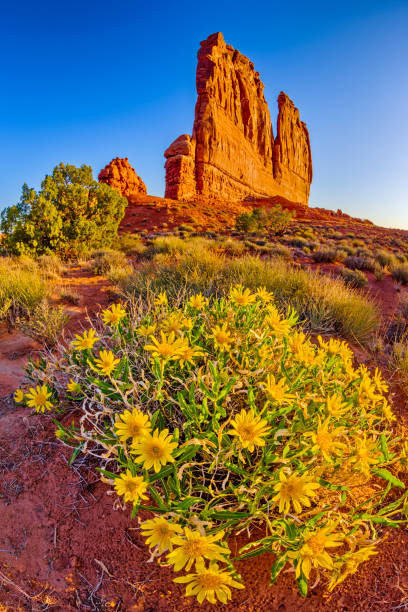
103,261
275,220
223,417
324,303
69,295
324,256
44,323
400,273
71,214
386,259
50,265
355,262
354,278
22,287
130,244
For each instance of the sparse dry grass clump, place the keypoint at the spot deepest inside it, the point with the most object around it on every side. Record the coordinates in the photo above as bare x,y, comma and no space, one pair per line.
354,278
400,273
131,244
22,287
323,303
44,323
105,260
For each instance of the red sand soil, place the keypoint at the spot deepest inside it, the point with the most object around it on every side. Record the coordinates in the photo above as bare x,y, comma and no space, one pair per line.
65,546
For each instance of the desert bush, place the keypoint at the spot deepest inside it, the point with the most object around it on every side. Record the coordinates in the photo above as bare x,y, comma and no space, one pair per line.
129,243
300,242
324,303
230,246
69,295
324,256
50,265
71,214
400,273
275,220
386,259
355,262
222,417
22,288
44,323
104,260
354,278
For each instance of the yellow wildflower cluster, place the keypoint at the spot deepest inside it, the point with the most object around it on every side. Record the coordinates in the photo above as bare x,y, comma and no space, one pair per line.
264,426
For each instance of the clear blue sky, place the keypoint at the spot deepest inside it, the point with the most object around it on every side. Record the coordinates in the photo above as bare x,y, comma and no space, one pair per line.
83,82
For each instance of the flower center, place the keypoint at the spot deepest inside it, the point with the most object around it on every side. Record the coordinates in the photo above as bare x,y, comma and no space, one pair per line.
316,544
195,548
210,580
324,440
165,349
222,337
156,450
41,400
247,432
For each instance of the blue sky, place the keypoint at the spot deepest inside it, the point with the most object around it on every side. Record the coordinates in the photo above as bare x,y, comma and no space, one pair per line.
83,84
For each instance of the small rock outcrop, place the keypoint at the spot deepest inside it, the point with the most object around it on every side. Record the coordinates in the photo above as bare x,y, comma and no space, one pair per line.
232,154
120,175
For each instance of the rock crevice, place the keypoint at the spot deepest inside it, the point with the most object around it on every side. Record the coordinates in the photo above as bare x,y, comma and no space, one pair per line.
232,153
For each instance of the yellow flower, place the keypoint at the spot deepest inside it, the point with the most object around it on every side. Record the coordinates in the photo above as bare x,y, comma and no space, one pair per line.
366,454
161,299
335,406
188,353
74,387
193,547
274,320
277,390
59,434
242,297
250,429
350,563
146,330
132,487
367,391
221,337
210,583
114,314
154,450
86,341
159,532
264,295
106,362
167,348
38,398
387,411
380,382
336,347
19,396
324,440
313,552
133,424
296,490
176,322
198,301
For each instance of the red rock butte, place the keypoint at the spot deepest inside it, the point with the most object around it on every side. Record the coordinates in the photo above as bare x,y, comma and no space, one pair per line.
232,154
120,175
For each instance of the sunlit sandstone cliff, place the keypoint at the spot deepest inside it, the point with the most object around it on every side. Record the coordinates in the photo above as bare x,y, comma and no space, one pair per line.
232,154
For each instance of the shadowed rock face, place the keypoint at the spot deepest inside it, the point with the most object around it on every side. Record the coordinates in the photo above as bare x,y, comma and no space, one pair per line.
232,154
120,175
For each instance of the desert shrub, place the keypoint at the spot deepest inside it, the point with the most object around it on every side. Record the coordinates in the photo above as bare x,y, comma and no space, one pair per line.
324,303
129,243
324,256
44,323
50,265
22,287
71,214
386,259
103,261
400,273
354,278
299,242
355,262
275,220
230,246
69,295
222,417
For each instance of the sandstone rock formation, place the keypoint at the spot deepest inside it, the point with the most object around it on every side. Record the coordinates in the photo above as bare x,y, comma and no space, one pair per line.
120,175
232,154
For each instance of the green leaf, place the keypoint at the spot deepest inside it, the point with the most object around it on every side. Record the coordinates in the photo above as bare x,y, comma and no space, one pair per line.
75,453
302,585
277,567
384,447
383,473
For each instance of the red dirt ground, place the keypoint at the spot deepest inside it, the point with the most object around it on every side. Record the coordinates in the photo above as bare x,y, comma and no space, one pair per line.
65,547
